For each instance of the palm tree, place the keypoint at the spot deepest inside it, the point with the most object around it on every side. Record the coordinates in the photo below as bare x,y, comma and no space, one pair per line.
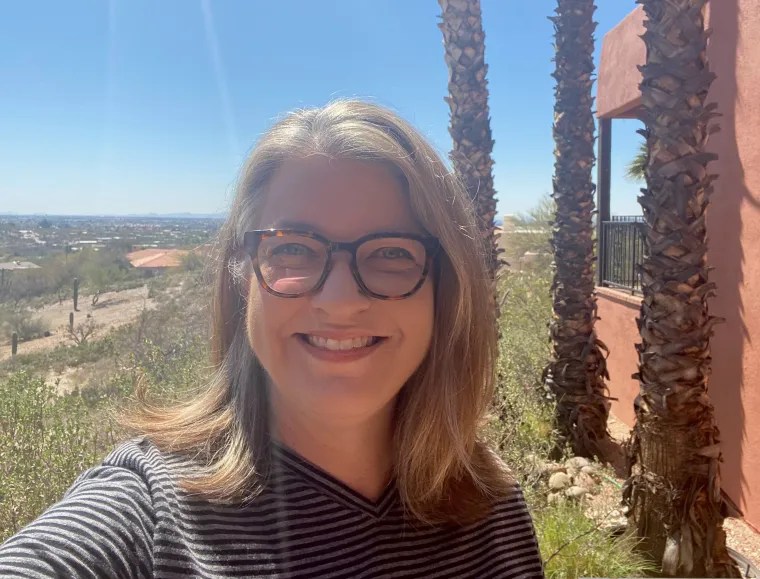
674,490
578,368
636,169
470,129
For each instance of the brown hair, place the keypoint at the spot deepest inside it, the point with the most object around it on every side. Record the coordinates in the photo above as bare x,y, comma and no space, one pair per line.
444,473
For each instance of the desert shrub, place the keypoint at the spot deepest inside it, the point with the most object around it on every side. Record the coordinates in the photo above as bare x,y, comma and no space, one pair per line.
168,375
192,261
83,331
529,233
572,546
158,285
24,285
45,442
24,322
521,428
61,357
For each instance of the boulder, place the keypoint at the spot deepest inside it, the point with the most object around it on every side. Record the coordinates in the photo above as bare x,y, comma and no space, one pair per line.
576,492
549,468
559,481
590,469
577,462
585,480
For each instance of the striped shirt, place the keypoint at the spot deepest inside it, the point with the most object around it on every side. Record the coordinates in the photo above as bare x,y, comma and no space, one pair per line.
128,519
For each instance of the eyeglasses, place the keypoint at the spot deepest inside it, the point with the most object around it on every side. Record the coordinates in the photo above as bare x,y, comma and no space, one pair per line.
388,266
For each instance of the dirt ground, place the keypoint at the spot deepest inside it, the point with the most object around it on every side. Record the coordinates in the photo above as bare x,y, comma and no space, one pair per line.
112,310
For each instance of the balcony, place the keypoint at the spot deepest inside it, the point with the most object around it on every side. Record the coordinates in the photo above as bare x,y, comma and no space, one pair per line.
621,252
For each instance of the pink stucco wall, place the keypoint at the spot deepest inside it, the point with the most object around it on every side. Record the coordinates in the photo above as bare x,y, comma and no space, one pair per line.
734,230
618,87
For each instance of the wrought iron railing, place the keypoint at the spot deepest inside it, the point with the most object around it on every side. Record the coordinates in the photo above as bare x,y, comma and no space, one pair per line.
622,252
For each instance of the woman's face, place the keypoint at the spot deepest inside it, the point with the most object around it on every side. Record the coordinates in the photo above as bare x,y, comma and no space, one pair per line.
296,338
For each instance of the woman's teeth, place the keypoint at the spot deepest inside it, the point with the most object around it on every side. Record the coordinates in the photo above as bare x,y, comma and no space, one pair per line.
350,344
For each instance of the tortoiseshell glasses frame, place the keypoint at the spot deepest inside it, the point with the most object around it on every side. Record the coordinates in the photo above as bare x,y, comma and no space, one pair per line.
252,241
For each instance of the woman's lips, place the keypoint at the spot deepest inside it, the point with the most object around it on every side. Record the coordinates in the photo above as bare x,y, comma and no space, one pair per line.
347,349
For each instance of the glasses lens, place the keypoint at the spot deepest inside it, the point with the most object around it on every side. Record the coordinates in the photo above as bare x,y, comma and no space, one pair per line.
391,266
291,264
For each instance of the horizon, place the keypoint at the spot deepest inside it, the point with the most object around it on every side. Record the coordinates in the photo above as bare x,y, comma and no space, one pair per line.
118,109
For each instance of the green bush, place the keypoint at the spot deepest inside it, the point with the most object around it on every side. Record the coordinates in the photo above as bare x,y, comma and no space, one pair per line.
573,547
192,261
46,441
521,428
25,323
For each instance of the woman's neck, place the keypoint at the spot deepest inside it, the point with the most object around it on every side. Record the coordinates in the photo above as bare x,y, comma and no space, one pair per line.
358,453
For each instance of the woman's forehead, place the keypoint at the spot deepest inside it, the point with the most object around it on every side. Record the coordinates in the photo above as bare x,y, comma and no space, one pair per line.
336,197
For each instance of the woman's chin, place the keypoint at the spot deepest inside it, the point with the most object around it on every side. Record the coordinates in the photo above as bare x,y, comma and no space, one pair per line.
340,397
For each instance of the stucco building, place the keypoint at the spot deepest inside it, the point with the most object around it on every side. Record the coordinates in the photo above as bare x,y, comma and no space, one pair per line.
734,235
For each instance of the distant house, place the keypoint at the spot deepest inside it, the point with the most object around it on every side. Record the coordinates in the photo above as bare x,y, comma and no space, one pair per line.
15,265
12,265
156,259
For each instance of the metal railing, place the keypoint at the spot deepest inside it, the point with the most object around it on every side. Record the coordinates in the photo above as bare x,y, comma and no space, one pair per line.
622,252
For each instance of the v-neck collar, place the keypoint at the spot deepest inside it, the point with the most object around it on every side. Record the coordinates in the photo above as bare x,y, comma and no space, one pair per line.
331,486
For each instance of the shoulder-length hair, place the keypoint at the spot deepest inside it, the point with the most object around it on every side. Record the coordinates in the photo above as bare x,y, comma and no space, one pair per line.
444,473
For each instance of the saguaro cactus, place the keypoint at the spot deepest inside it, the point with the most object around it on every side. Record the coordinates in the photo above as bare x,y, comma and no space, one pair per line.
76,293
71,321
14,343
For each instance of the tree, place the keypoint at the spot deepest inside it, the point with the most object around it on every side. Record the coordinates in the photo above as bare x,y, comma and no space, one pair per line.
470,128
636,169
83,331
576,372
673,490
529,233
100,277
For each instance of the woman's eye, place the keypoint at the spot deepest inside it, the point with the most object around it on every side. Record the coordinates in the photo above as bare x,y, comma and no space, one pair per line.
392,253
295,249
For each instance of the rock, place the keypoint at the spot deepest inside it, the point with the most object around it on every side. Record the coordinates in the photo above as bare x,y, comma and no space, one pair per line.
590,469
559,481
584,480
576,492
577,462
549,468
554,498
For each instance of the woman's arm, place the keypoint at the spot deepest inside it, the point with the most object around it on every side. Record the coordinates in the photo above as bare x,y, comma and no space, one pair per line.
103,527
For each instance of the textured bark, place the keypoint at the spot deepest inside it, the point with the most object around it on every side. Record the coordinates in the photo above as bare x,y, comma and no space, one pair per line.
673,489
578,367
470,129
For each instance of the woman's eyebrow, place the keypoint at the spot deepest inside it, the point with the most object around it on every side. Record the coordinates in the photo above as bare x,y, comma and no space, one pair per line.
304,226
287,224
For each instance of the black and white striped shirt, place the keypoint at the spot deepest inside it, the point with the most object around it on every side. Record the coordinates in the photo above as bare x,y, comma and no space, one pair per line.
127,519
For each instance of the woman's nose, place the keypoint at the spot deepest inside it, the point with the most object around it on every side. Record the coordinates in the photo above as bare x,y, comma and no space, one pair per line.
340,293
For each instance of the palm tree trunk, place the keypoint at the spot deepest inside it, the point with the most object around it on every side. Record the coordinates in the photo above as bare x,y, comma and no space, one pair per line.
470,129
578,367
673,490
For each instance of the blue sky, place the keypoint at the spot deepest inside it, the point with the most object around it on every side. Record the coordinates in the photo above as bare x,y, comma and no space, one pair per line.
136,106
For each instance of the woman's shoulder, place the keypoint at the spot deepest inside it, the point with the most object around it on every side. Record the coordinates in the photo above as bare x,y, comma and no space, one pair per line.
141,456
135,466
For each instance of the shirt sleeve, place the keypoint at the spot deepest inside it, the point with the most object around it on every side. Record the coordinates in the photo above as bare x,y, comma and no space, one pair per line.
103,527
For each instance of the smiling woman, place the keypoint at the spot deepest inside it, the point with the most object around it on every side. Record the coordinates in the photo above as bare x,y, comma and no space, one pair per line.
353,344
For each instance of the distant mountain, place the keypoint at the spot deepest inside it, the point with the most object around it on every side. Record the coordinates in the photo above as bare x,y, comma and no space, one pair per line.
185,215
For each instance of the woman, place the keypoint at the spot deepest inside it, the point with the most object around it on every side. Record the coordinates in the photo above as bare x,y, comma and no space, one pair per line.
354,347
